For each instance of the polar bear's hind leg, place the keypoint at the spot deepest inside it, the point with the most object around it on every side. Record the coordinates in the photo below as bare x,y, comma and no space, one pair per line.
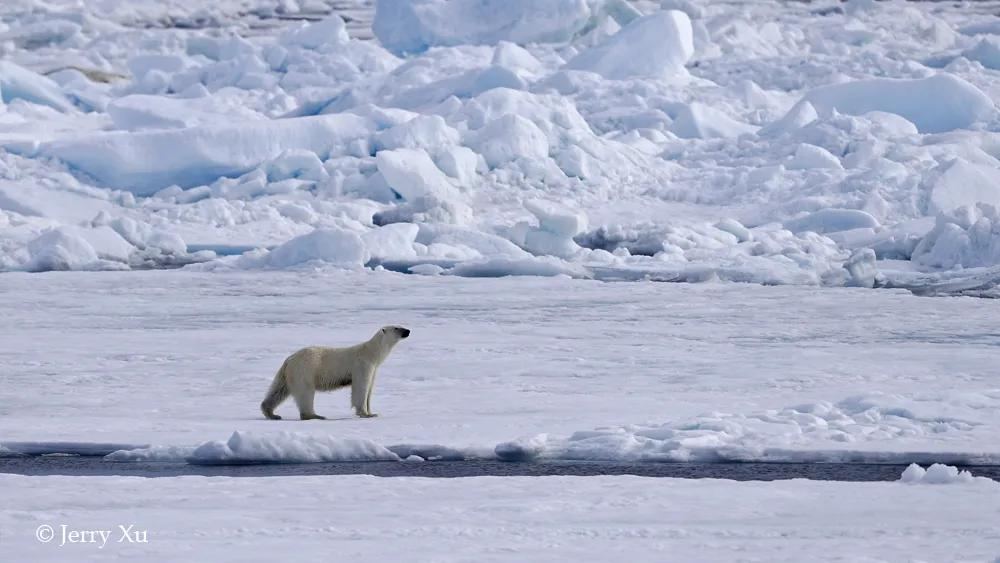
277,393
304,394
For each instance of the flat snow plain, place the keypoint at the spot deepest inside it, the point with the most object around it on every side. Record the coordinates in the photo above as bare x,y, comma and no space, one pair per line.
551,367
361,518
670,371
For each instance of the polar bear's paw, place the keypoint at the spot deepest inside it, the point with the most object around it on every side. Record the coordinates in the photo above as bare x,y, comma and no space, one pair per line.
312,416
369,415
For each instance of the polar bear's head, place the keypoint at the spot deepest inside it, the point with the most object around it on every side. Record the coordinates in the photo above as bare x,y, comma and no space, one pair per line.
392,334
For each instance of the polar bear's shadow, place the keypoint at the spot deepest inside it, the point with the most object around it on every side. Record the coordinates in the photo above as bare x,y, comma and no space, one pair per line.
297,419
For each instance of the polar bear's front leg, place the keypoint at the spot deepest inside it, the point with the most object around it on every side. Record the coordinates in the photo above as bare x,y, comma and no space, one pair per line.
368,396
361,387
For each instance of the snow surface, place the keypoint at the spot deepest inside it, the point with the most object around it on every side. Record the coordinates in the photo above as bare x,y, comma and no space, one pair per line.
199,132
365,518
511,368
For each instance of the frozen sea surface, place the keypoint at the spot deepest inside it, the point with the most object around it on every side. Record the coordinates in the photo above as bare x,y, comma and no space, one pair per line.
365,518
515,368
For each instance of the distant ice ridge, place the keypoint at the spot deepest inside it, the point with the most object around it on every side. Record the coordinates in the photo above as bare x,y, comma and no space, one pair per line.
915,100
412,26
556,242
17,82
146,162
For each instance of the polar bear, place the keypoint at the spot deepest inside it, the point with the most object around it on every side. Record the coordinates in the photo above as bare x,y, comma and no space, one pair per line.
318,368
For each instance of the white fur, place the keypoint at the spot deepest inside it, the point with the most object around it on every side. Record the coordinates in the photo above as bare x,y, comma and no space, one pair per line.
318,368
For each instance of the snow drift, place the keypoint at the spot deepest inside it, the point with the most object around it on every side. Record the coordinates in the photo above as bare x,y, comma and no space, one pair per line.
936,104
147,161
286,447
847,431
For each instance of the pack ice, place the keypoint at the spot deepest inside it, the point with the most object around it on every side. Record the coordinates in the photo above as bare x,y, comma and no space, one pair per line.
775,144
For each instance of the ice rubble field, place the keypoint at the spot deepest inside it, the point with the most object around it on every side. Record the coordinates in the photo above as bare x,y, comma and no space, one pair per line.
563,369
819,143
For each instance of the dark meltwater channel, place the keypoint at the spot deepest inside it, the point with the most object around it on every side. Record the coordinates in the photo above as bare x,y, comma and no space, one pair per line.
92,466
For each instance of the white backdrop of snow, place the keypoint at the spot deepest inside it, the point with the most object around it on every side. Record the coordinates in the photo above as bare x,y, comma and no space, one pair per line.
734,372
544,519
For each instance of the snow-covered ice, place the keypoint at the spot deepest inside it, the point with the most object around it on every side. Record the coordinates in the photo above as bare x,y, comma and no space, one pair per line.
555,519
411,26
612,371
242,447
918,100
145,162
656,46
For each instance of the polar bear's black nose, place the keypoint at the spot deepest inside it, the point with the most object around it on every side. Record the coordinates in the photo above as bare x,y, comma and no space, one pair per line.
404,332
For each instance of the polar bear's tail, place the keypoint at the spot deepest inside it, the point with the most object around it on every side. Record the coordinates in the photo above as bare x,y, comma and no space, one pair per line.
277,393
